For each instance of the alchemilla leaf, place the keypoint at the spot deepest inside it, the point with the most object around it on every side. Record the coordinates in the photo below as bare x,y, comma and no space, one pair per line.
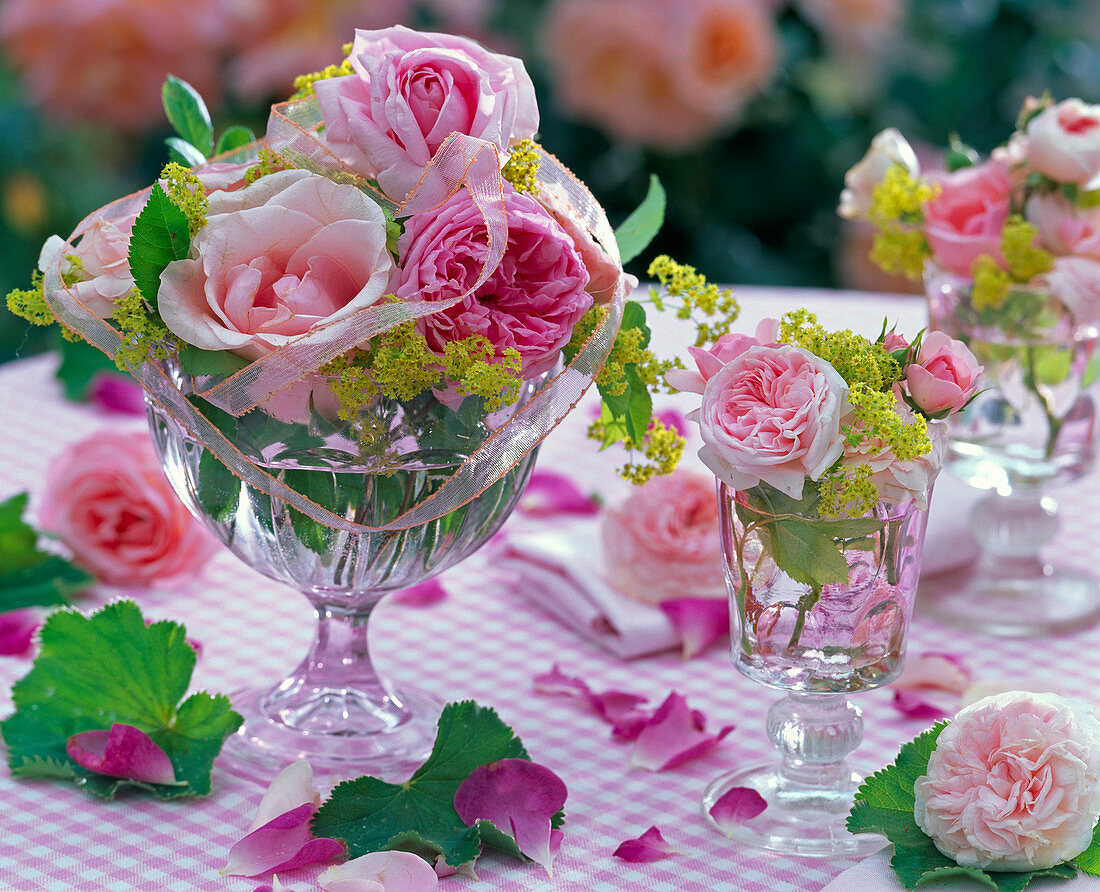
93,671
30,576
371,815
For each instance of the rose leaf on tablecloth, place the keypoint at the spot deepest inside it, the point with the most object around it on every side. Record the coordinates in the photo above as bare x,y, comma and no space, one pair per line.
884,804
371,815
93,672
32,577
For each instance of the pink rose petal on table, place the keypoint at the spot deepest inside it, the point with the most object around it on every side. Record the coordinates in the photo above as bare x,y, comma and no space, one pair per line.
519,797
423,594
120,394
549,493
391,871
698,621
673,735
613,706
123,751
931,686
650,846
17,631
735,806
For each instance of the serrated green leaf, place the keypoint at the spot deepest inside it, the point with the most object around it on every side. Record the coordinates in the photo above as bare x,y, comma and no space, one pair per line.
219,489
939,874
110,667
182,152
41,766
80,363
32,577
805,553
196,361
233,138
160,235
644,222
188,114
1089,860
371,815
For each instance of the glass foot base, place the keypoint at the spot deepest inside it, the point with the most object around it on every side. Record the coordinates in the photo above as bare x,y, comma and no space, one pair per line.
1047,602
334,738
798,820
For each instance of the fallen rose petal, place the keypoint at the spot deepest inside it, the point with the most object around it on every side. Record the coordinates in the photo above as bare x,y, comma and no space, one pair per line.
650,846
423,594
123,751
673,735
290,788
391,871
735,806
931,686
274,886
613,706
549,493
116,393
698,621
283,843
17,631
519,797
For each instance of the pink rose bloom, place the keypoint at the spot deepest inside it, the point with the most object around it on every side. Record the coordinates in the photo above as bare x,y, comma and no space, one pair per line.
531,301
1064,143
944,376
708,362
966,219
663,541
901,481
888,148
289,252
1075,281
410,91
1063,227
103,253
657,74
772,415
108,500
103,61
1013,783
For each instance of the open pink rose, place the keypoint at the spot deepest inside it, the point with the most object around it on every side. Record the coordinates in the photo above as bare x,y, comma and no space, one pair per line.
1075,281
289,252
663,541
965,220
107,498
1064,143
726,348
531,301
410,91
1013,783
944,376
103,257
773,414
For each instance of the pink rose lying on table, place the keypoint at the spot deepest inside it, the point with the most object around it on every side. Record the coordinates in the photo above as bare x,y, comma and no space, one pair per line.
531,301
944,375
410,91
1013,783
108,500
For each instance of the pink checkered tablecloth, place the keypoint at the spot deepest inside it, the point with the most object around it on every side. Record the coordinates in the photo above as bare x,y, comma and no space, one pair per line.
483,642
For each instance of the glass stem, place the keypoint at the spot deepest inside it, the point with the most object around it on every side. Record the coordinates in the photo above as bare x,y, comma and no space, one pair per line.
814,734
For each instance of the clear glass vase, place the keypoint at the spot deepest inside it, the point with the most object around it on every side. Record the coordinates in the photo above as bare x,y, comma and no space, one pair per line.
818,643
335,709
1031,428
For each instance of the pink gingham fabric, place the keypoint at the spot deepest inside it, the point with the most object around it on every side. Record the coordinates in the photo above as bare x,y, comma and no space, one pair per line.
483,642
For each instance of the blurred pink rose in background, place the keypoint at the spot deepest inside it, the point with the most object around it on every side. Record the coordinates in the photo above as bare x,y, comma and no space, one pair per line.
103,61
944,376
1075,281
862,27
108,500
530,302
663,541
658,74
966,219
1063,142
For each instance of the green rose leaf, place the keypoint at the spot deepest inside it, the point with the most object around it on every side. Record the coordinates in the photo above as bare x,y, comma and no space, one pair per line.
639,229
80,362
1089,860
233,138
371,815
160,235
32,577
188,114
196,361
182,152
110,667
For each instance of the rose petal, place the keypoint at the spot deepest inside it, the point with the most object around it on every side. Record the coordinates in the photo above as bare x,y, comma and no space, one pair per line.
650,846
17,631
931,685
613,706
292,787
123,751
549,493
116,393
423,594
699,622
519,797
283,843
673,735
735,806
391,871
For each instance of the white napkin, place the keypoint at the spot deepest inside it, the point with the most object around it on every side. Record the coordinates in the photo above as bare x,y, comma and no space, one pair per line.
561,569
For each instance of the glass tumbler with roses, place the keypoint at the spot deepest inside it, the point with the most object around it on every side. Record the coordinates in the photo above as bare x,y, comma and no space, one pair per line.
825,446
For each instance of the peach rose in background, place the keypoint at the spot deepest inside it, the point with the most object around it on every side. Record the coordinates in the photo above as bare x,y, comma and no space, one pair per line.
1013,783
289,252
944,376
1063,142
966,219
103,61
108,500
663,541
662,75
860,27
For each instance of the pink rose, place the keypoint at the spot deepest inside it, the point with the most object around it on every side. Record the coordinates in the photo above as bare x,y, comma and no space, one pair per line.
1064,143
107,498
888,148
901,481
966,219
944,376
772,415
531,301
1013,783
289,252
410,91
663,541
1075,281
710,361
103,255
856,28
